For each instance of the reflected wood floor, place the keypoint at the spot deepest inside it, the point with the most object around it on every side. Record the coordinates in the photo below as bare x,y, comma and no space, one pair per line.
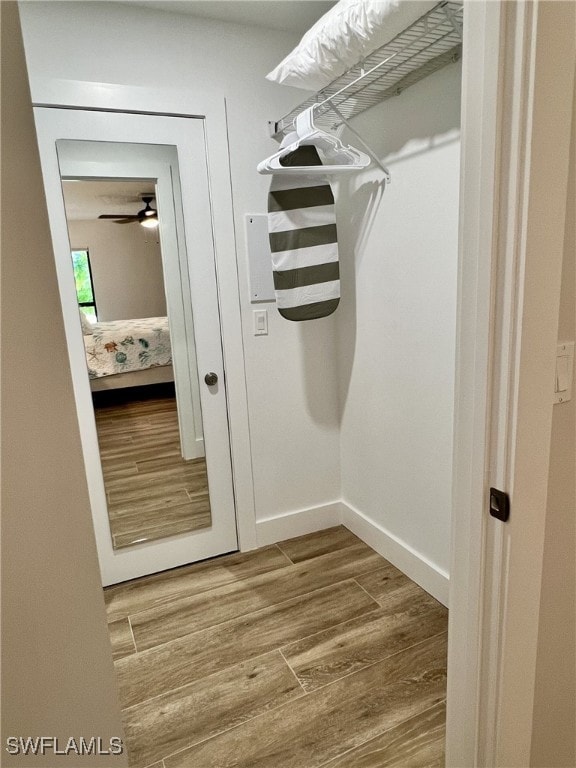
151,490
313,652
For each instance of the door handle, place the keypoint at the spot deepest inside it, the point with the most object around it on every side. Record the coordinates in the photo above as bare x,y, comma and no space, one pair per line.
211,379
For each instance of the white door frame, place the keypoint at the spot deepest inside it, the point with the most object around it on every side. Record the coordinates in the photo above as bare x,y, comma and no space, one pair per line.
514,183
72,94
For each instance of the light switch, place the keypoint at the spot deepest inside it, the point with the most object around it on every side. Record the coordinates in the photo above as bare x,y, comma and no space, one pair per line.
564,371
260,322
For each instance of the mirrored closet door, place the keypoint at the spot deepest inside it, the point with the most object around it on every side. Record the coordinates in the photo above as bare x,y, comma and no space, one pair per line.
142,324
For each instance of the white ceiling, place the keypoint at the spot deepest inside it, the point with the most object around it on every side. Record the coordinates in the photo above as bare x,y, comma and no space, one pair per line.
88,199
290,15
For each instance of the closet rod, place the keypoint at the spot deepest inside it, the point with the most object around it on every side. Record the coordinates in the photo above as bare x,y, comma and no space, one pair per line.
430,43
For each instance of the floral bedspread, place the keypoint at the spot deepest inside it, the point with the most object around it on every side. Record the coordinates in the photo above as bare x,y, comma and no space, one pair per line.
119,346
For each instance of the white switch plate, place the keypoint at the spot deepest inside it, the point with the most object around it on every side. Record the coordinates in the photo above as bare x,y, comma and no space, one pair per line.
260,322
564,372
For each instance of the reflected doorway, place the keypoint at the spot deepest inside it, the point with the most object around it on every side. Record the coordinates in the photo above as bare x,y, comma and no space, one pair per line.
156,483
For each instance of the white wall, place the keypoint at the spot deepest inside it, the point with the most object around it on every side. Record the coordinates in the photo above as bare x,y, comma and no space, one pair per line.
126,267
291,373
396,321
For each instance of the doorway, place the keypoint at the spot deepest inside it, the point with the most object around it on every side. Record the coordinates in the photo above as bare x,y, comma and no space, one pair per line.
155,434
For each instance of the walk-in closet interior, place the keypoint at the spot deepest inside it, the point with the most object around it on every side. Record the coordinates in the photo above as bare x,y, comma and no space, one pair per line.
312,315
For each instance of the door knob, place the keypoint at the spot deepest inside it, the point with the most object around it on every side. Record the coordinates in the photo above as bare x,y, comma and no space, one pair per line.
211,379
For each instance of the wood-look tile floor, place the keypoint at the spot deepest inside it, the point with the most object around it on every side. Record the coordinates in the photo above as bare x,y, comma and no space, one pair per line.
151,490
312,652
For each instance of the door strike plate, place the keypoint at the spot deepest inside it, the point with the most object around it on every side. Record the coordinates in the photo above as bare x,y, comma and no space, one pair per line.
499,504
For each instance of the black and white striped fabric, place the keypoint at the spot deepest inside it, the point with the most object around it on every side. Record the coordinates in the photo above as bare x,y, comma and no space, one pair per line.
303,241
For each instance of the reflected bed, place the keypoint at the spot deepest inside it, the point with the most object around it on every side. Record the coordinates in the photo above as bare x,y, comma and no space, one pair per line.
128,353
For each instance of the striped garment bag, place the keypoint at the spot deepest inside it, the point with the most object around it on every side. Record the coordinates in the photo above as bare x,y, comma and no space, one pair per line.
303,241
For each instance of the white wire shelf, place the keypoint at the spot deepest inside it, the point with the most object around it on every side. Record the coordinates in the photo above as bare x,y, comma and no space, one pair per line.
427,45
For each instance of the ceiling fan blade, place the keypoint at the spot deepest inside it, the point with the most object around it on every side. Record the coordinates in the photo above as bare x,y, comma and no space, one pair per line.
128,218
118,216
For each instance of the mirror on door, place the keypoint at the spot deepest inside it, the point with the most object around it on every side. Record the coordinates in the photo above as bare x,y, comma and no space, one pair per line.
146,401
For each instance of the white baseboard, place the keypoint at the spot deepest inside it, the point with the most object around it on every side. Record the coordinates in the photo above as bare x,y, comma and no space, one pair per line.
273,529
408,560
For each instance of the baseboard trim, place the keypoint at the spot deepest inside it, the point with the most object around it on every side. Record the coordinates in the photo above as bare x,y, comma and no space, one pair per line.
273,529
408,560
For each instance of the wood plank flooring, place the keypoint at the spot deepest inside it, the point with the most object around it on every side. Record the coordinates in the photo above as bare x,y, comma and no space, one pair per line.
310,653
151,491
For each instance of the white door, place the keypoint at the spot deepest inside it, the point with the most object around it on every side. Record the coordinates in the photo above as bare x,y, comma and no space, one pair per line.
169,153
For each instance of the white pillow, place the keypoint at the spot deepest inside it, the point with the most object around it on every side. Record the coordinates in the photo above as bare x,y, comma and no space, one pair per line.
349,32
87,327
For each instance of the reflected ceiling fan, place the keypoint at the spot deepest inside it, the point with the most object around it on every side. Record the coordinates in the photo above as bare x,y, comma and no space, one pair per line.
147,217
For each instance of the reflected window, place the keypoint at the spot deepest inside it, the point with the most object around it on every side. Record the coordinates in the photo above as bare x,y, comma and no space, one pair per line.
84,284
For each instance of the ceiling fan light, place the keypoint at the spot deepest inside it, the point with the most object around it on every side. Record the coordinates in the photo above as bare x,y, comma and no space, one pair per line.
150,222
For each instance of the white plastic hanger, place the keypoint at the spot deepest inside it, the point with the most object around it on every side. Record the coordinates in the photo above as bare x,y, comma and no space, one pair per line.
338,157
